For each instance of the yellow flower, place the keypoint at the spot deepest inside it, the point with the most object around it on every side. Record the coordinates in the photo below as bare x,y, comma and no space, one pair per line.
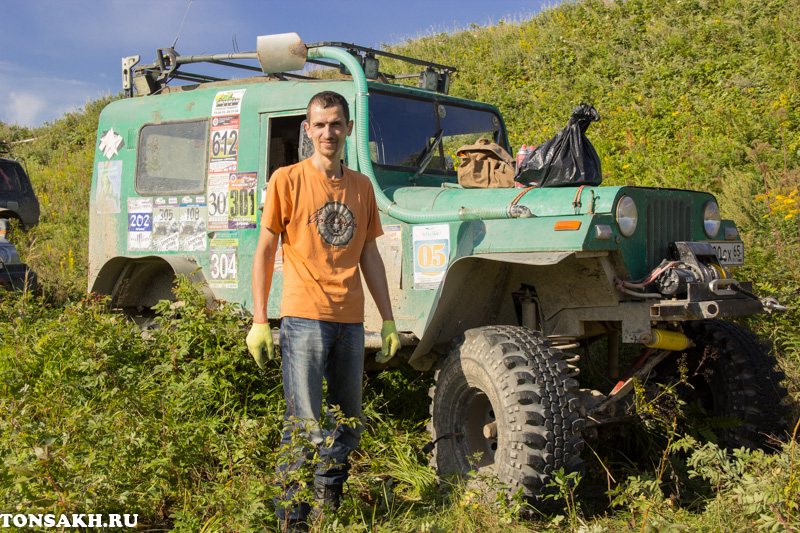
787,217
625,166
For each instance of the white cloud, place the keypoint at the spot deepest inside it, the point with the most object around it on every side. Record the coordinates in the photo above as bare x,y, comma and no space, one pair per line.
24,109
30,98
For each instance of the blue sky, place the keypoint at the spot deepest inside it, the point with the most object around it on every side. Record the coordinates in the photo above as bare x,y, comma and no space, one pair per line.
55,55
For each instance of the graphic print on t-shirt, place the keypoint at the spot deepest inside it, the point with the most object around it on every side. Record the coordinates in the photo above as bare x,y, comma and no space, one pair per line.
335,223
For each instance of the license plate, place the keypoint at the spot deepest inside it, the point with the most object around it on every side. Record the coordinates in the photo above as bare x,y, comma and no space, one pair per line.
729,253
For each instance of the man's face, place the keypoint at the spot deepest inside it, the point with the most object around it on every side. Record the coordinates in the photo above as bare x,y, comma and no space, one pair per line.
327,128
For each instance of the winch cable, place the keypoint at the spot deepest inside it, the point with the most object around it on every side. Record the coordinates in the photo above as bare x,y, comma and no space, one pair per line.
769,304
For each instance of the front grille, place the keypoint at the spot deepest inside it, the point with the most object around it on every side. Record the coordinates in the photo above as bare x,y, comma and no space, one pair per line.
667,221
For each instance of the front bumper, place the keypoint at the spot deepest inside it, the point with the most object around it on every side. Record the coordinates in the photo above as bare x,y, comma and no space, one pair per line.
700,303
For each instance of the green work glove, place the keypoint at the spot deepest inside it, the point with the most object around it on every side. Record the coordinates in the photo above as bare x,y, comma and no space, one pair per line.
390,342
260,337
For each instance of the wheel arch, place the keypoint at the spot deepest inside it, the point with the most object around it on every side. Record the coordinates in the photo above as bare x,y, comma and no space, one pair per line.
10,214
140,282
490,278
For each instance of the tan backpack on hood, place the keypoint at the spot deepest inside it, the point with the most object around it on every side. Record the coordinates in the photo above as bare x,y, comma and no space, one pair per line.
485,165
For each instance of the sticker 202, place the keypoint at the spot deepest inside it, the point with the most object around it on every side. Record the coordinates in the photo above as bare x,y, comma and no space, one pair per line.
139,222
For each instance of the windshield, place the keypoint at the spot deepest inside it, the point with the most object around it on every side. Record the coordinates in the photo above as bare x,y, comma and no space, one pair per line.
401,129
9,180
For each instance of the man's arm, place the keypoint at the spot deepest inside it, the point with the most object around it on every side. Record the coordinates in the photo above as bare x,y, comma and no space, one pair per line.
260,336
263,265
375,275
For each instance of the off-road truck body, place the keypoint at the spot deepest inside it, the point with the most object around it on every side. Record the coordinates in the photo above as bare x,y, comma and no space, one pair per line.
497,290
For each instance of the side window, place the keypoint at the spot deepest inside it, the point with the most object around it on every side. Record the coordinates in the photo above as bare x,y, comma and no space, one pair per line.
172,158
285,134
9,180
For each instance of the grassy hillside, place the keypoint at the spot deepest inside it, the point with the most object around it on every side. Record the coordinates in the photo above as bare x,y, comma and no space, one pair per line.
699,94
692,93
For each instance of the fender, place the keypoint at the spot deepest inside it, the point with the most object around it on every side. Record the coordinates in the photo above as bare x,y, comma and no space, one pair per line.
153,275
490,278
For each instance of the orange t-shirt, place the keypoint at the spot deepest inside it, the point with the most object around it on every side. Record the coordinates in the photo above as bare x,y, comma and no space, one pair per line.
323,224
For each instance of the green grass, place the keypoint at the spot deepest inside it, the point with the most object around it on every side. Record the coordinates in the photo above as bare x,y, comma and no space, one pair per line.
181,427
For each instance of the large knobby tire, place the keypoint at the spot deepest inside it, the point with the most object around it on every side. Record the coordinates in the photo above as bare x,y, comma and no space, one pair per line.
733,376
511,376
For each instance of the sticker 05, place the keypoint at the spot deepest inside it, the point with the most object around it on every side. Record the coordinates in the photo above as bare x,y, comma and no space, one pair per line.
431,246
223,261
140,224
166,226
242,200
109,178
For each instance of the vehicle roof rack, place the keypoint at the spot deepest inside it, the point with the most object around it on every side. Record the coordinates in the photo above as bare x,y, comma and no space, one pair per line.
153,78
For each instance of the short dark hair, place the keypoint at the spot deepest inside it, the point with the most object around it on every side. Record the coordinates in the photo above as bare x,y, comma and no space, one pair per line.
327,99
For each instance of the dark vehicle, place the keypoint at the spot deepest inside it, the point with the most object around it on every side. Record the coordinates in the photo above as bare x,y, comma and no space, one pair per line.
17,198
14,274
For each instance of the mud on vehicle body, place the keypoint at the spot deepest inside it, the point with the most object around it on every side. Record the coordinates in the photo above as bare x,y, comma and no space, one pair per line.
496,290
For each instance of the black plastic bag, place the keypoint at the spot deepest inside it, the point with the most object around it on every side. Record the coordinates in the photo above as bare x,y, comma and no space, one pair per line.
566,159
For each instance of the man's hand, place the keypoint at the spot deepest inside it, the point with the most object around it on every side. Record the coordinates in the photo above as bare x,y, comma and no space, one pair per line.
259,338
390,342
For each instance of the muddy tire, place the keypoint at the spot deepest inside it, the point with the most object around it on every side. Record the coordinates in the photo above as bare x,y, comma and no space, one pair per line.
733,377
510,376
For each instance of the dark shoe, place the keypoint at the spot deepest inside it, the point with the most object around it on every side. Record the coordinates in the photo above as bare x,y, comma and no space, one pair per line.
328,498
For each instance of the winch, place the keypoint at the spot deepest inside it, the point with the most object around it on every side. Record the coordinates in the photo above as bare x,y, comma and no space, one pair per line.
691,262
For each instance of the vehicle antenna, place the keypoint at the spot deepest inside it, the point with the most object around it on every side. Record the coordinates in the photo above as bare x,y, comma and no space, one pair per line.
184,20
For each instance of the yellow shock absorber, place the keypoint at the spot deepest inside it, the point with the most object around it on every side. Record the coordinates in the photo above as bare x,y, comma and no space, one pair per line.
668,340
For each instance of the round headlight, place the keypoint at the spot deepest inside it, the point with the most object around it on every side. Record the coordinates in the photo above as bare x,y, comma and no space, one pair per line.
711,219
627,216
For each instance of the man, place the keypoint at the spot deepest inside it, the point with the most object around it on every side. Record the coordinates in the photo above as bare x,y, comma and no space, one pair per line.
327,217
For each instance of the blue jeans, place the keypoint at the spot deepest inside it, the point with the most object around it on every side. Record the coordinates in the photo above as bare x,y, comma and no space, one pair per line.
310,351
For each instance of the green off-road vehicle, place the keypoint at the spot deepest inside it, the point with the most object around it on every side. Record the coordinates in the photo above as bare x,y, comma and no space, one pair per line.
521,304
